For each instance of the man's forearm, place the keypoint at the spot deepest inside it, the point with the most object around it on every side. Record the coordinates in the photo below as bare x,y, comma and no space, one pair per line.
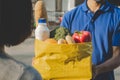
110,64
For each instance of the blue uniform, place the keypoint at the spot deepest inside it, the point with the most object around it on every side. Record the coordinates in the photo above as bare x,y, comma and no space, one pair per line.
104,26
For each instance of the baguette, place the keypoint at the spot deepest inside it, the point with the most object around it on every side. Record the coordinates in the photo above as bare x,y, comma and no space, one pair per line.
40,11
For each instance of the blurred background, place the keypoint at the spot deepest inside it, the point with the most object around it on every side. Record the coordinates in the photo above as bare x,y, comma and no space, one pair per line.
55,9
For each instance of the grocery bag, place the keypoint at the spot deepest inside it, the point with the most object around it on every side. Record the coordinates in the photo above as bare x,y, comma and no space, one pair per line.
63,61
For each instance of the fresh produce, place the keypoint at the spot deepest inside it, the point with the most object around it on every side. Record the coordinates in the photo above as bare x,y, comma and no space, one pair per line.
52,32
61,35
61,32
51,41
69,39
62,41
40,11
82,36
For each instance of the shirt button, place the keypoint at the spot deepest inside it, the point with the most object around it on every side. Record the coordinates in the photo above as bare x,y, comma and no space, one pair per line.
92,20
88,11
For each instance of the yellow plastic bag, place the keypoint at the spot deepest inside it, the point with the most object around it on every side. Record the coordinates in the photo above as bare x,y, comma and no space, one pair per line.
63,61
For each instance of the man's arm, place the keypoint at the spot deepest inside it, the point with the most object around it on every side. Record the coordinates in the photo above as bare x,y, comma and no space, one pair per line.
110,64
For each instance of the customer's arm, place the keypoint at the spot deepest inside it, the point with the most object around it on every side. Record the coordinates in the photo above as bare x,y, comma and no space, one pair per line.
110,64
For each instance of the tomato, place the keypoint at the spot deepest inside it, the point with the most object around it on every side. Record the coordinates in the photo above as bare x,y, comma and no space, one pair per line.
76,37
82,36
88,36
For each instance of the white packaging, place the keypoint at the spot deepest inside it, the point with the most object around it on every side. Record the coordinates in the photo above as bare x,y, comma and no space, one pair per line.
42,32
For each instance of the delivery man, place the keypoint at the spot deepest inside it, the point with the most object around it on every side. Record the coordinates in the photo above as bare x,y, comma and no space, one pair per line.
103,21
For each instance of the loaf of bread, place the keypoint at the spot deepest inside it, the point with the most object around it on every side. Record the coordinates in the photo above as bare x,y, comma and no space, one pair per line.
40,11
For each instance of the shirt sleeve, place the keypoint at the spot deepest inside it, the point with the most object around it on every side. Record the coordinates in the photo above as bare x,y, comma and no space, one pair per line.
30,74
116,36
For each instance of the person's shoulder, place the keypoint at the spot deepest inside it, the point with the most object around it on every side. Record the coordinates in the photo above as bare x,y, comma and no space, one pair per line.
19,70
26,72
30,73
116,9
74,10
116,13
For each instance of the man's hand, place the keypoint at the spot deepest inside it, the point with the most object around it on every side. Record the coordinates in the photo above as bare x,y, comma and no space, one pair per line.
94,74
109,65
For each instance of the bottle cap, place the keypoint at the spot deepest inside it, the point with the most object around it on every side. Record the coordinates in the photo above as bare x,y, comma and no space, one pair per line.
42,20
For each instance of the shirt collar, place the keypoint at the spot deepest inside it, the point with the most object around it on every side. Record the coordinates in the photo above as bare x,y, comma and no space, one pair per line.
84,6
105,7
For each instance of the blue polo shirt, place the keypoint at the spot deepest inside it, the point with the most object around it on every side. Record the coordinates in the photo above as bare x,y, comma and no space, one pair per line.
105,30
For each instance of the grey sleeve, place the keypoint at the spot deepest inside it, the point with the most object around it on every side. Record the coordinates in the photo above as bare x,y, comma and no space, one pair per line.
30,74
